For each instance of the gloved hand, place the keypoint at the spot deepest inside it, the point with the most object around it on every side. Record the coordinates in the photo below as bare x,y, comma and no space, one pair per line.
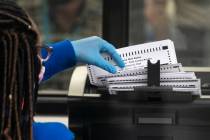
88,50
51,131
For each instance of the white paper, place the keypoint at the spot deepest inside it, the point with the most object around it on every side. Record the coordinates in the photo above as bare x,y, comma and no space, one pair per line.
136,57
182,85
164,77
135,73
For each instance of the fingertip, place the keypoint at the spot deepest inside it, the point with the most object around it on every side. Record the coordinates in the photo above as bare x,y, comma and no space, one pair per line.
118,60
114,54
122,64
113,70
102,63
110,68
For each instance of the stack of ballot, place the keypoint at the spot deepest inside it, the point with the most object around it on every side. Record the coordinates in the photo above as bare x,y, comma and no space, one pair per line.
134,74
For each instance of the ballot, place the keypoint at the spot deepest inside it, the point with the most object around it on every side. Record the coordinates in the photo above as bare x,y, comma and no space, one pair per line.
135,72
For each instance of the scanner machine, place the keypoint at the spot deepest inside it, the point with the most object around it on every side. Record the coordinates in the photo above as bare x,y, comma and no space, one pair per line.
94,114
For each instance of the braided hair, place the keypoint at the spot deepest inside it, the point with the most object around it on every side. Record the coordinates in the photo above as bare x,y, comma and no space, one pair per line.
19,68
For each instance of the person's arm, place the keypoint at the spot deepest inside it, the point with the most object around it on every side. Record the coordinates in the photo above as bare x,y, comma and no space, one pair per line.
51,131
63,57
88,51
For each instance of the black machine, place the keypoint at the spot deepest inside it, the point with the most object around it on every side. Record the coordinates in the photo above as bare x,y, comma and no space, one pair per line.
150,113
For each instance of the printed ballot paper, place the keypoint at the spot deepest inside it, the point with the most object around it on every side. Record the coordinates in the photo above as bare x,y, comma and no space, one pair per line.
135,72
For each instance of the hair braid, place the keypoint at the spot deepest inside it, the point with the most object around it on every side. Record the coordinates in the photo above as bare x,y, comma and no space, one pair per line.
3,71
30,83
19,68
15,106
10,96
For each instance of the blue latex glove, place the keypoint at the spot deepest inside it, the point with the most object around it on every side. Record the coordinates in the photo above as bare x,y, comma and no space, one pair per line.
51,131
88,50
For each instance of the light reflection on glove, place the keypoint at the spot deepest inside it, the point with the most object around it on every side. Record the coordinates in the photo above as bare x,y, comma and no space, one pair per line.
88,50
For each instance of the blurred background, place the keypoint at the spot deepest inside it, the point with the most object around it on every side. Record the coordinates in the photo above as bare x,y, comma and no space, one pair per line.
64,19
186,22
